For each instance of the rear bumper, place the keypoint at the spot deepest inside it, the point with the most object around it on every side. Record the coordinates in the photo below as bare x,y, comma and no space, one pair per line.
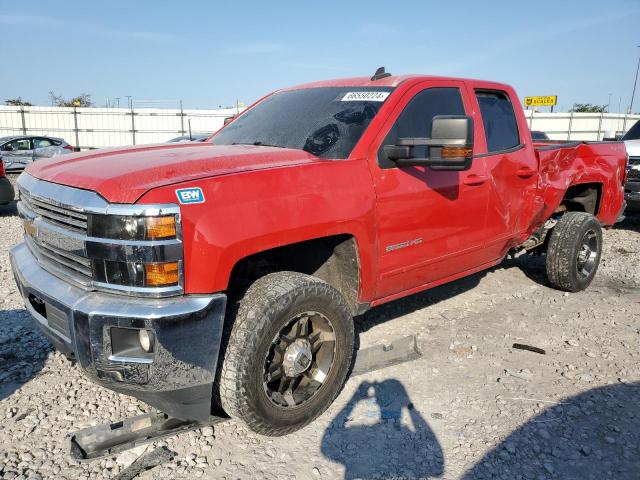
187,329
6,191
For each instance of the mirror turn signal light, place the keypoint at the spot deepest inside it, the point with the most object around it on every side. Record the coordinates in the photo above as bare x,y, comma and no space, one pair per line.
161,227
456,152
161,274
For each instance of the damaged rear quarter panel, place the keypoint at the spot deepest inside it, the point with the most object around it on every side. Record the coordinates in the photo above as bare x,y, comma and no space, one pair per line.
562,167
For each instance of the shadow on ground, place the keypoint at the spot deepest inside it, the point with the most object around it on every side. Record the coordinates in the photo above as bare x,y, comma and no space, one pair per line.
23,350
380,434
631,222
594,435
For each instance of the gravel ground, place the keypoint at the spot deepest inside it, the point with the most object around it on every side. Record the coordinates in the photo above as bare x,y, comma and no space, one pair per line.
471,407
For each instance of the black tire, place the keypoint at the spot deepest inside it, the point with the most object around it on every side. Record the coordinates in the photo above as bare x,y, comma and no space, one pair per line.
265,310
569,266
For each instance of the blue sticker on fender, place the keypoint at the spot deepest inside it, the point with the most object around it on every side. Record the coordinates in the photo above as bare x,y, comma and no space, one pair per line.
190,195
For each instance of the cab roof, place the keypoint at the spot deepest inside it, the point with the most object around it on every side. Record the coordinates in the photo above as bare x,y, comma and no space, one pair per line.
392,81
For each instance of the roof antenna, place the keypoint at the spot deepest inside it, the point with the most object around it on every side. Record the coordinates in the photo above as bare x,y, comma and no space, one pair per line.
380,73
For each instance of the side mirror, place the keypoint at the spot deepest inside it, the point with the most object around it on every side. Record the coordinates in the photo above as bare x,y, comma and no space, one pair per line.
450,146
8,148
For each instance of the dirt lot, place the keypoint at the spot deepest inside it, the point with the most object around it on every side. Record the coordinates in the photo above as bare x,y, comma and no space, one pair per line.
471,407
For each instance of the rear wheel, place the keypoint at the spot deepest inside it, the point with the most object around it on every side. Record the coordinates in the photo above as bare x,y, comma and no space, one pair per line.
288,353
574,251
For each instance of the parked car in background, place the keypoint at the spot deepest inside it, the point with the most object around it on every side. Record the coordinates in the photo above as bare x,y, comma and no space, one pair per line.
538,135
17,152
631,141
199,137
6,189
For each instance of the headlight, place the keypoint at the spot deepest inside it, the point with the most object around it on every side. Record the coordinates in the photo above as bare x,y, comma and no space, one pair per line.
119,227
155,269
137,274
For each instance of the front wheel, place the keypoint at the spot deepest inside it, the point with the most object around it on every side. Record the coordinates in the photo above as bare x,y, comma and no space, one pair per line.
288,353
574,251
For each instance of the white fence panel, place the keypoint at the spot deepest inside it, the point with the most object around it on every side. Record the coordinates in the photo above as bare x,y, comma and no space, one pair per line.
112,127
109,127
579,126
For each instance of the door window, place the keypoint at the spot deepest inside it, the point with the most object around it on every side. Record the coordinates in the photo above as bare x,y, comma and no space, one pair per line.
417,117
19,144
41,143
499,120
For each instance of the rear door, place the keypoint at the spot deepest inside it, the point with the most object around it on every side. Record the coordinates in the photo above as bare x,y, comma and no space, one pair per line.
512,167
430,223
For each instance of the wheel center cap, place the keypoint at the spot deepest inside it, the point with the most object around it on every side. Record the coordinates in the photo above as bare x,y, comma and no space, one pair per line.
297,357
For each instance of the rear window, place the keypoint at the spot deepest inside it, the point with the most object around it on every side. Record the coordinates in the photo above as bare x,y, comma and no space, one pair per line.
324,121
499,121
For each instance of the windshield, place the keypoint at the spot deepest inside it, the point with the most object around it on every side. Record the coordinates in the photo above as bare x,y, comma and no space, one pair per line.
326,121
633,133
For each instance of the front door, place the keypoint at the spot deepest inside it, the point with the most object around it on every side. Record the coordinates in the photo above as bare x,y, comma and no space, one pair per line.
431,224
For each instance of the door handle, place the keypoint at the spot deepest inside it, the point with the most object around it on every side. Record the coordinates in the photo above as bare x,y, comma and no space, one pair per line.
525,172
474,179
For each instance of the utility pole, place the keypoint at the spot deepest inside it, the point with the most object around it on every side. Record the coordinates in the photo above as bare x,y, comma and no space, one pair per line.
635,82
609,104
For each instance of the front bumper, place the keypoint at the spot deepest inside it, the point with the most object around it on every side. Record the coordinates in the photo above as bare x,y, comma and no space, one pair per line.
187,329
632,195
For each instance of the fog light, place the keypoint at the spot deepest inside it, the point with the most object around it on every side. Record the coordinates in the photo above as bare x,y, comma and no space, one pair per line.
144,337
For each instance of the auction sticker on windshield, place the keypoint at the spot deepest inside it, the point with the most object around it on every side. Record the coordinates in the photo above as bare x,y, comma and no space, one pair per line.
365,96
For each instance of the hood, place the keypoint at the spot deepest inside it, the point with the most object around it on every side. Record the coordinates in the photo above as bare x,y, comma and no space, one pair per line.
633,147
123,175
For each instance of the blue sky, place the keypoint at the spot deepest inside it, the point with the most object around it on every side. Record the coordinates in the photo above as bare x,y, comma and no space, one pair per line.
209,54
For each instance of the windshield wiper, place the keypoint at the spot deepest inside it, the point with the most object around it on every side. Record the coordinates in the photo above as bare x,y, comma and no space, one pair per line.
258,144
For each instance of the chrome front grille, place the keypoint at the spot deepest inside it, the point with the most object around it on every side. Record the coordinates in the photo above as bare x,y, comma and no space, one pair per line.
53,233
49,254
53,212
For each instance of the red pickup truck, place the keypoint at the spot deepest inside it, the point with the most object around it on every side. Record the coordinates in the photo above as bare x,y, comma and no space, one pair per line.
228,273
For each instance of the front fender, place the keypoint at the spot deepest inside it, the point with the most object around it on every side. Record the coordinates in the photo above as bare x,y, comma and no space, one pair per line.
250,212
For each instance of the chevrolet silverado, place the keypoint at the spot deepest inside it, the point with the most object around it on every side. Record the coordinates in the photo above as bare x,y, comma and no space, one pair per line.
227,273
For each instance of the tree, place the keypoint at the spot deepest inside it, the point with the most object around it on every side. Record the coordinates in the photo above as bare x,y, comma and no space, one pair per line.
588,108
82,100
17,102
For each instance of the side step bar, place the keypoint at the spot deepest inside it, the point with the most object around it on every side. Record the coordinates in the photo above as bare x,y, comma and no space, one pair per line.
112,438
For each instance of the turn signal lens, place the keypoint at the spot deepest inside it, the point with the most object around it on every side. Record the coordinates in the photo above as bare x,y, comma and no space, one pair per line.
456,152
161,274
161,227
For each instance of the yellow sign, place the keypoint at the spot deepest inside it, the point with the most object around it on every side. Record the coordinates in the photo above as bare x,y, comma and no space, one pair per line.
545,101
